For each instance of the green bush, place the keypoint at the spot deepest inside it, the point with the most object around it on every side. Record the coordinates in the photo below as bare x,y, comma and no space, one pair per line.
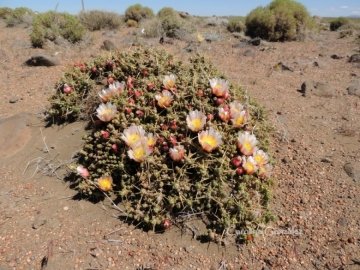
137,12
171,22
235,25
18,16
96,20
143,149
281,20
338,22
51,25
4,11
132,23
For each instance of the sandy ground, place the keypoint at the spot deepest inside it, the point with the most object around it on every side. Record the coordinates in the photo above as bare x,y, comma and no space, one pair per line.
315,200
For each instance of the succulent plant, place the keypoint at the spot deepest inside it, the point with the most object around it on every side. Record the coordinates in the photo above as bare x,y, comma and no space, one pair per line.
168,152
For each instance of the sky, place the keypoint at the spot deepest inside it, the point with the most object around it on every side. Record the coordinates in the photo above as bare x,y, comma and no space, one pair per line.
331,8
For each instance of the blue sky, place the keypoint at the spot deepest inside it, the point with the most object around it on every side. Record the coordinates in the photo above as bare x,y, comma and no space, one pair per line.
195,7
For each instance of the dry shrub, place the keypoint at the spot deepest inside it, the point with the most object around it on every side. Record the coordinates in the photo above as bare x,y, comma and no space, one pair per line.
338,22
138,12
235,25
97,20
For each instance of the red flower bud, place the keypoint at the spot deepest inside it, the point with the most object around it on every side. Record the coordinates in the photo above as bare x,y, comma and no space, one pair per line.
114,147
236,161
239,171
173,140
128,110
105,134
219,101
210,117
139,113
166,223
150,86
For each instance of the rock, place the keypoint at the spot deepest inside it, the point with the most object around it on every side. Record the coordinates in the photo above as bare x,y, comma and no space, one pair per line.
336,57
317,88
108,45
255,41
353,171
216,21
316,64
184,14
355,58
249,52
42,60
211,37
38,223
326,160
345,33
354,88
13,100
283,67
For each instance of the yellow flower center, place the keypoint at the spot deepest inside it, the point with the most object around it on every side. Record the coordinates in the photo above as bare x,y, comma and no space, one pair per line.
139,153
259,159
247,146
105,183
164,101
133,138
196,124
249,167
151,142
209,141
239,121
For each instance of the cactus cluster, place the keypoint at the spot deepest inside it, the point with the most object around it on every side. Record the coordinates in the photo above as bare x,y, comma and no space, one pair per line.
168,139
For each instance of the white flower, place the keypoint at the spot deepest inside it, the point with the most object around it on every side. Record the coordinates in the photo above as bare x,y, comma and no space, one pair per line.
236,107
246,143
114,89
249,165
265,170
106,112
219,87
177,153
164,99
169,81
260,157
133,135
196,120
239,119
209,140
139,152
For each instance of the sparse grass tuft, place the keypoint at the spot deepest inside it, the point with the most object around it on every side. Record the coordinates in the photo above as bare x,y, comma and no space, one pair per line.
17,16
235,25
96,20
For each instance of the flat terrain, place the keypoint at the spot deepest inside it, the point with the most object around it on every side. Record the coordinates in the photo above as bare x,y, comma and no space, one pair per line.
316,143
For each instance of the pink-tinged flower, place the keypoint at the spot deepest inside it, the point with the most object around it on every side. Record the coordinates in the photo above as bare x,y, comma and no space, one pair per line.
114,147
219,87
83,172
164,99
239,119
224,114
106,112
150,140
209,139
260,157
249,165
67,89
139,152
246,142
236,107
196,121
130,82
133,135
169,82
114,90
177,153
236,161
104,183
265,170
105,134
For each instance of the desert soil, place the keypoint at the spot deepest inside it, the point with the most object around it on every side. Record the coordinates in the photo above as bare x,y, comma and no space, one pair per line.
316,145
